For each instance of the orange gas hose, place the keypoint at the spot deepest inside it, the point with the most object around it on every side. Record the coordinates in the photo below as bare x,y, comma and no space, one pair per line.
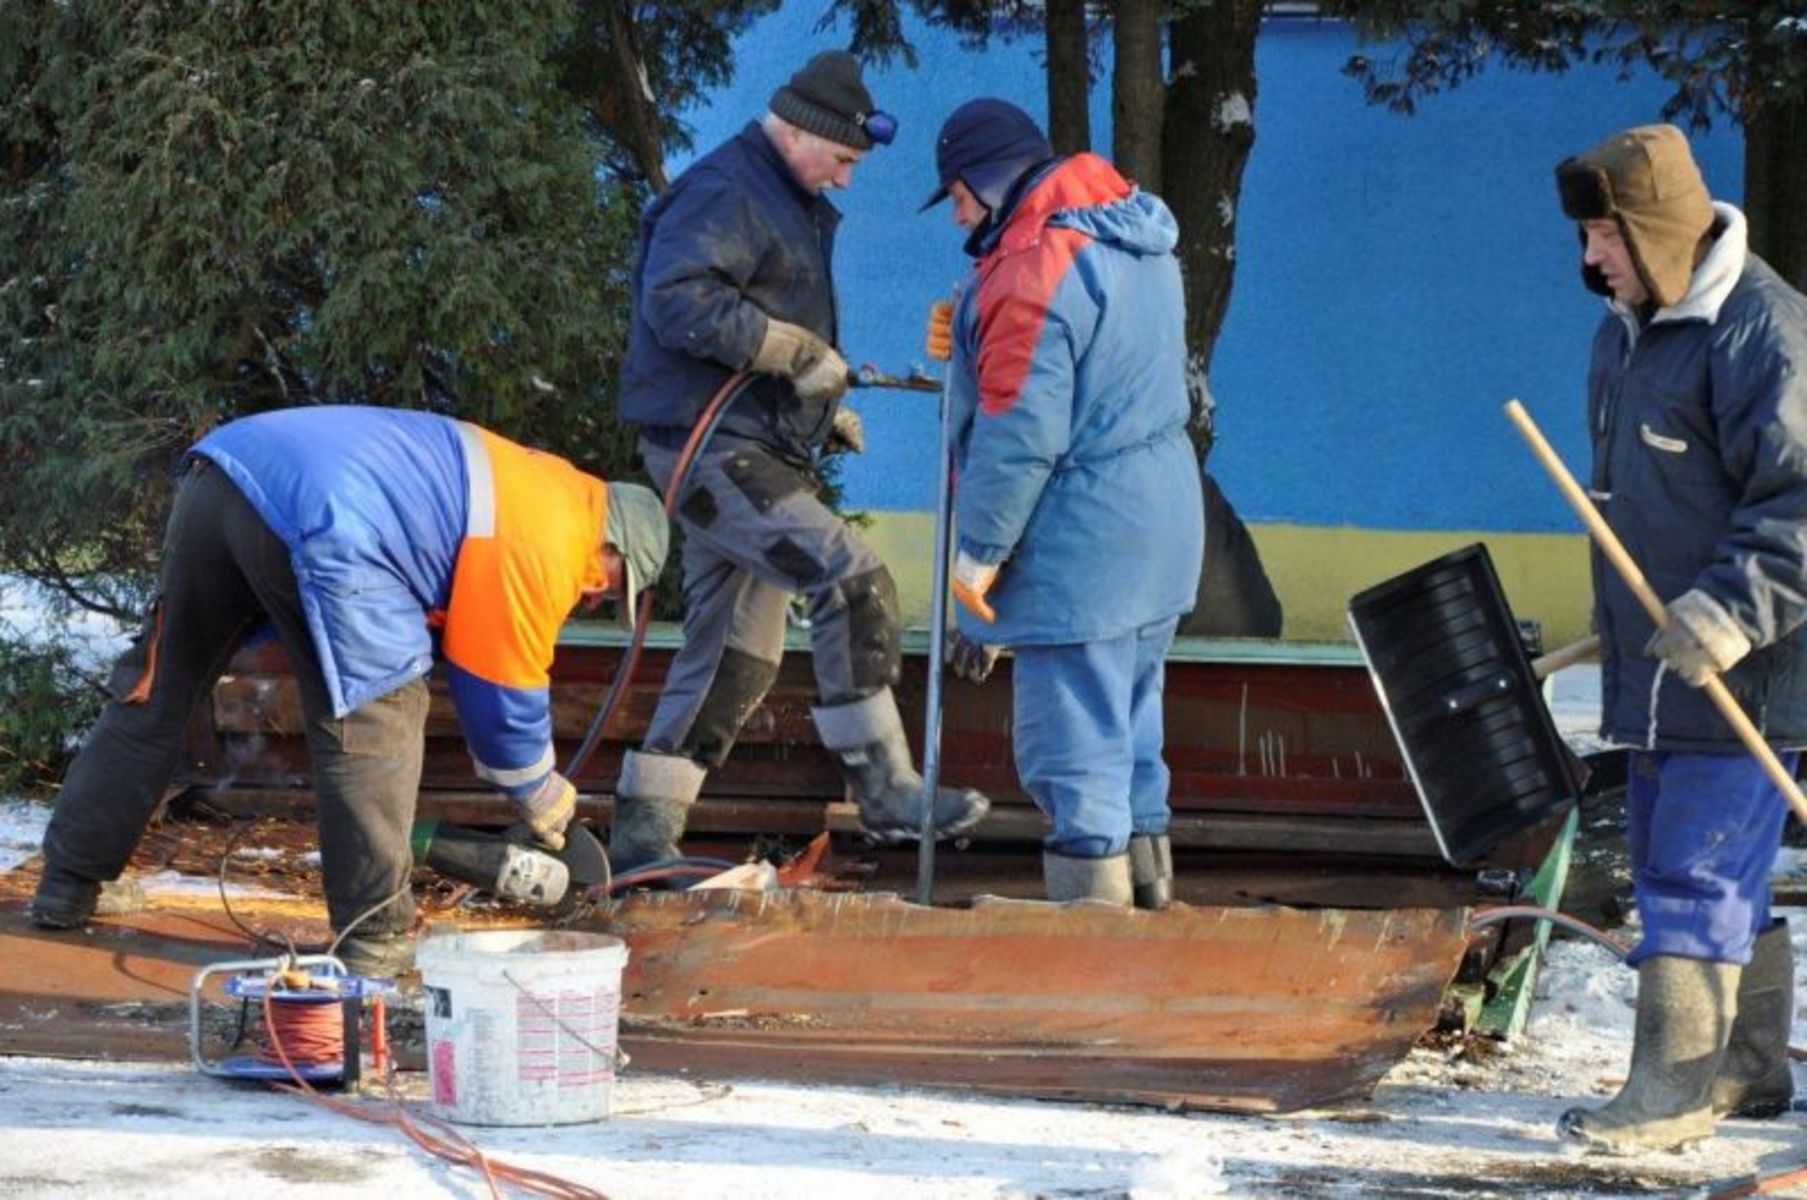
430,1134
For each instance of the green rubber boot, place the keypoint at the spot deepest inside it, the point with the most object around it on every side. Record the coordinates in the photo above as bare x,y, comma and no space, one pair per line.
1684,1021
652,804
1755,1080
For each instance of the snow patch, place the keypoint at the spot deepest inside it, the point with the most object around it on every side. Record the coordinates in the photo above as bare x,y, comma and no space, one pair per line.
1232,111
22,824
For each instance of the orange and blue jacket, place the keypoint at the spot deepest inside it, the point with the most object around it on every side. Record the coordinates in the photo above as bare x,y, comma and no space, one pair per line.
1068,401
414,537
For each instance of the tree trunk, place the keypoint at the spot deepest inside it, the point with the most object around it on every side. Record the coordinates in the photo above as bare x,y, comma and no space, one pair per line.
1069,77
1211,123
1138,91
1775,187
625,103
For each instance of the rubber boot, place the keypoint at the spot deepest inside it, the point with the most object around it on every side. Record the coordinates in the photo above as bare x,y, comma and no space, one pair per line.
1684,1020
1105,880
63,900
382,955
867,736
652,803
1151,870
1755,1080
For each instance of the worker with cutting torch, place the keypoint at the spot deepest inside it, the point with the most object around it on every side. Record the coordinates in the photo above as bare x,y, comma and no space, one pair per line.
1077,505
375,542
1697,407
734,277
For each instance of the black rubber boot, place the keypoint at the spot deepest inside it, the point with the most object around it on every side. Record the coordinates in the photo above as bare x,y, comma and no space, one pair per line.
867,736
63,900
377,955
652,804
1105,880
1151,870
1755,1080
1684,1020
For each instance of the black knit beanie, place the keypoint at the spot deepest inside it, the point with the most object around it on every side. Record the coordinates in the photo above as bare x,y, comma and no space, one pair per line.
827,98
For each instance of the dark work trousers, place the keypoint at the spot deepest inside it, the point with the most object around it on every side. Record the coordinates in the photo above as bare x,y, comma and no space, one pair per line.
755,534
224,574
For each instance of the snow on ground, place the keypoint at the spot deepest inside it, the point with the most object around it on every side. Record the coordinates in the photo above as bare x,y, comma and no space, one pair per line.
98,1129
1443,1123
21,830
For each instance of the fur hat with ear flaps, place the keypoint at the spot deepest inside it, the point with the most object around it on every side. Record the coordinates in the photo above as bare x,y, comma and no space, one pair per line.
1644,178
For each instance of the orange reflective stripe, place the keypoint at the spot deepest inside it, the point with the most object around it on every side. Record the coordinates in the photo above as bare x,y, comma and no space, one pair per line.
141,691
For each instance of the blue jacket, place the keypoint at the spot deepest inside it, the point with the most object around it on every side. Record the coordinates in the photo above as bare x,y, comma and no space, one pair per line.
1069,408
733,241
405,525
1699,423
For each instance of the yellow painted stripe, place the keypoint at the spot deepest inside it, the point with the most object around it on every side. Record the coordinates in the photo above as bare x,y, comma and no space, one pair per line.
1316,568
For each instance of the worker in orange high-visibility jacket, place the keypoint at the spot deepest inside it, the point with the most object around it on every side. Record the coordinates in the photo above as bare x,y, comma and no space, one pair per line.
374,542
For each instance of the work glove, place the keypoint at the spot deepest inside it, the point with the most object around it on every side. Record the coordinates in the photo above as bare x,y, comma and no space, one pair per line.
1701,639
849,432
548,809
940,340
970,660
972,579
814,368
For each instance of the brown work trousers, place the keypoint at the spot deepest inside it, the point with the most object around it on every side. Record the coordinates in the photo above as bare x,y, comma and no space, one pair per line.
224,577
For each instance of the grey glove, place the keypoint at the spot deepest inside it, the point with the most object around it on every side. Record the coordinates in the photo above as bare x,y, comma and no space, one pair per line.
548,809
970,660
1700,640
814,368
849,432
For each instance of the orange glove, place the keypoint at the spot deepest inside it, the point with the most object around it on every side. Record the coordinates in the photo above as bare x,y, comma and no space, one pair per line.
972,579
940,340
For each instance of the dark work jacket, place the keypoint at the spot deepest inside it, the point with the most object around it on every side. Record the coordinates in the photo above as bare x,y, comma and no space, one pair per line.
733,241
1699,424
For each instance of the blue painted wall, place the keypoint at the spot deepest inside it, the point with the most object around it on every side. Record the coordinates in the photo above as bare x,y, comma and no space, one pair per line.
1398,278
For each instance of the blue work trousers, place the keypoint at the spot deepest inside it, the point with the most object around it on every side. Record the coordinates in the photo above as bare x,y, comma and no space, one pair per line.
1703,830
1089,736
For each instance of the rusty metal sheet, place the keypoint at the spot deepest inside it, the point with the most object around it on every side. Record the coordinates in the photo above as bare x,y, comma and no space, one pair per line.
1238,1009
1269,736
1268,757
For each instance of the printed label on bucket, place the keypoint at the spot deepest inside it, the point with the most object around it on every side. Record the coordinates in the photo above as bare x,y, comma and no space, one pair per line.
566,1038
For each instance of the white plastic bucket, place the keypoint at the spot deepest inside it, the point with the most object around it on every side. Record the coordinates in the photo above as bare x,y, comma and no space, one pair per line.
521,1025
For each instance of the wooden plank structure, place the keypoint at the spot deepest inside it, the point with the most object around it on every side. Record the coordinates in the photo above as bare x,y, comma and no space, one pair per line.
1317,930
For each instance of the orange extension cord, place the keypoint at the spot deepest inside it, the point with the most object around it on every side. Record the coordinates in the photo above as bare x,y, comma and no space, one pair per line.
310,1031
430,1134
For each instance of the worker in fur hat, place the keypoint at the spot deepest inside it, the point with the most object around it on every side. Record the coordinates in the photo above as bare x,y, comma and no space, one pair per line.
1697,406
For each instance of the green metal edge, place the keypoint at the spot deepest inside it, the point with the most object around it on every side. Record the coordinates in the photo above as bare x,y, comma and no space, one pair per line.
1255,651
1513,981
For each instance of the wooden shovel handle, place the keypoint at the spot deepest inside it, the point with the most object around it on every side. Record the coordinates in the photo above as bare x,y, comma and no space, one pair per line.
1585,650
1615,552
